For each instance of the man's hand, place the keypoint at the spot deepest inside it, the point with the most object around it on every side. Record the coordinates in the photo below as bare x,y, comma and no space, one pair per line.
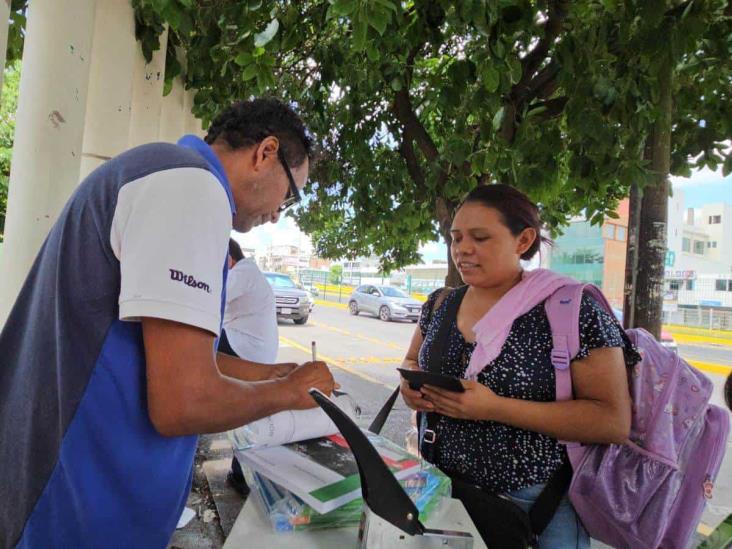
477,402
303,378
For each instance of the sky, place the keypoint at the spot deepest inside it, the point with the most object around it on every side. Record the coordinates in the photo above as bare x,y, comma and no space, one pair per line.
703,187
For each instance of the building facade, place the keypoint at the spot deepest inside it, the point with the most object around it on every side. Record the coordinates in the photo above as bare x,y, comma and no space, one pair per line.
595,253
698,276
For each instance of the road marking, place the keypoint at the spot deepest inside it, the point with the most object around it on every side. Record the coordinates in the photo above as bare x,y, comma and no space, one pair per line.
333,304
719,369
707,340
372,360
335,362
698,330
360,336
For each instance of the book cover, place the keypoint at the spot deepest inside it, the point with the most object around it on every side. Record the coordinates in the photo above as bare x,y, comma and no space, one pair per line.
322,471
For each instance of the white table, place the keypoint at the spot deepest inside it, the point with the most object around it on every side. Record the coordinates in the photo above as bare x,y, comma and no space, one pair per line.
252,529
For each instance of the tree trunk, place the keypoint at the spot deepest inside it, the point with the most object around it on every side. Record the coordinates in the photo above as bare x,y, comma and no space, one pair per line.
453,278
444,212
631,256
651,250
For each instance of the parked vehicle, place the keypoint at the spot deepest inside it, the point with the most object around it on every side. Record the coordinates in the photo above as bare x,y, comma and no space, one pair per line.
385,302
314,292
292,302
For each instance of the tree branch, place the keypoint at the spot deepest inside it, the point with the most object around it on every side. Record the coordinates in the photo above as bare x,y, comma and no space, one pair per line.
534,59
532,85
553,107
410,158
412,127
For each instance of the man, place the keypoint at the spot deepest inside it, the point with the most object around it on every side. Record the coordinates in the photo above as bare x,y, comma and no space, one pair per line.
250,326
250,318
107,360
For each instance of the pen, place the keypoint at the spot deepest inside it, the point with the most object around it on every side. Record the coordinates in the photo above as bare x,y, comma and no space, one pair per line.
336,392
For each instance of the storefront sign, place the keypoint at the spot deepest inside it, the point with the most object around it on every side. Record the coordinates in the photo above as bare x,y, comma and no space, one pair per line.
683,275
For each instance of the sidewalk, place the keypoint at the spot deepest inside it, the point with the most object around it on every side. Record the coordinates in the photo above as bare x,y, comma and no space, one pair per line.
216,504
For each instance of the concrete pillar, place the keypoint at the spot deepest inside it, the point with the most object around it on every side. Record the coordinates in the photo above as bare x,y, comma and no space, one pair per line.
48,132
147,95
114,52
4,25
172,115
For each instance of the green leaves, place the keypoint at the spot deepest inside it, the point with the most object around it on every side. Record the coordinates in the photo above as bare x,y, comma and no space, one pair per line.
360,33
576,131
343,8
249,72
263,38
490,77
498,119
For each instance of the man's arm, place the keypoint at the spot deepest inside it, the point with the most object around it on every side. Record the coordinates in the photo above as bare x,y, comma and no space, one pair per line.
246,370
188,394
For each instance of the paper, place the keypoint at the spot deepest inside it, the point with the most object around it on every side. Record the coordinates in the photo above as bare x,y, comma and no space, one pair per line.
290,426
185,517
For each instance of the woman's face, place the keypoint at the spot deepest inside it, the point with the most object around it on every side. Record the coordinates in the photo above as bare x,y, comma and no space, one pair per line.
483,248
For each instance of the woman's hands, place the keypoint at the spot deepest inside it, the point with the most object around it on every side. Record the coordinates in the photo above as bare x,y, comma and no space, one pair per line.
414,399
478,402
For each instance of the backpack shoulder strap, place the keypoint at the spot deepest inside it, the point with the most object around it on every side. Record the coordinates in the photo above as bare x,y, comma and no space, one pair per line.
563,310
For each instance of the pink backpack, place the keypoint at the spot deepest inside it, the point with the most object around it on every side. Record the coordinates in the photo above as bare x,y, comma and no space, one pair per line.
650,491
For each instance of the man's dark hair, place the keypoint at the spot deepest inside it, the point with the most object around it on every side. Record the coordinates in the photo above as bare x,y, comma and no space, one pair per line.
246,123
235,251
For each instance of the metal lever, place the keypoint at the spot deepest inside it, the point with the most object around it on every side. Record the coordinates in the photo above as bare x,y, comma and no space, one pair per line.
381,490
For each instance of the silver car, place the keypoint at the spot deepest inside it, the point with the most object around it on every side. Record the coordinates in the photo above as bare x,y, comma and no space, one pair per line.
384,301
292,301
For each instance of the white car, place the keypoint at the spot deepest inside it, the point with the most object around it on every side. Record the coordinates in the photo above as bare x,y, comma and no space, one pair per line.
292,302
385,302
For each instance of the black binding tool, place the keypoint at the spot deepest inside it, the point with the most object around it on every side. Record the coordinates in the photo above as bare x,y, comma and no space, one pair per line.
389,513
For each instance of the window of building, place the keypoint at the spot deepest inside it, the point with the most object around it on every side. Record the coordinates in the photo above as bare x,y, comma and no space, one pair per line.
713,243
720,285
699,247
621,233
608,231
690,284
685,245
674,285
715,219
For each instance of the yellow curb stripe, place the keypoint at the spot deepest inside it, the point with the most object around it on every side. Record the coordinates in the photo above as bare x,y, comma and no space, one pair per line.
719,369
330,304
334,362
708,340
699,330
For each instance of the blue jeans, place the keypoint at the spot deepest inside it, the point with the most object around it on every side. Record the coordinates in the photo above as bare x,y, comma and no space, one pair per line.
565,531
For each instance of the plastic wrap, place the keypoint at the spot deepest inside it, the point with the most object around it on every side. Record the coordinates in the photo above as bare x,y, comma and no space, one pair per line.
428,489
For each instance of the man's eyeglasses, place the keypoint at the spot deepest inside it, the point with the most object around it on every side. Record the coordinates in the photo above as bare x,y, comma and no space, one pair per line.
293,193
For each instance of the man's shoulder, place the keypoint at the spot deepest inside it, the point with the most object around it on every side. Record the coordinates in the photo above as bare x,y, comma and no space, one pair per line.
155,157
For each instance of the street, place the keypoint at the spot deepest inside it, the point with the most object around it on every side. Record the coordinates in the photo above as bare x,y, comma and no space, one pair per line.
364,353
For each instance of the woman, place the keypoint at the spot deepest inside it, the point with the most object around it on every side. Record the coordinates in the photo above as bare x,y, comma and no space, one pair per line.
502,433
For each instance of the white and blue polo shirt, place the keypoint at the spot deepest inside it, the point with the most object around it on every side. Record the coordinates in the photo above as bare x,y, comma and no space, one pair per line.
81,465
